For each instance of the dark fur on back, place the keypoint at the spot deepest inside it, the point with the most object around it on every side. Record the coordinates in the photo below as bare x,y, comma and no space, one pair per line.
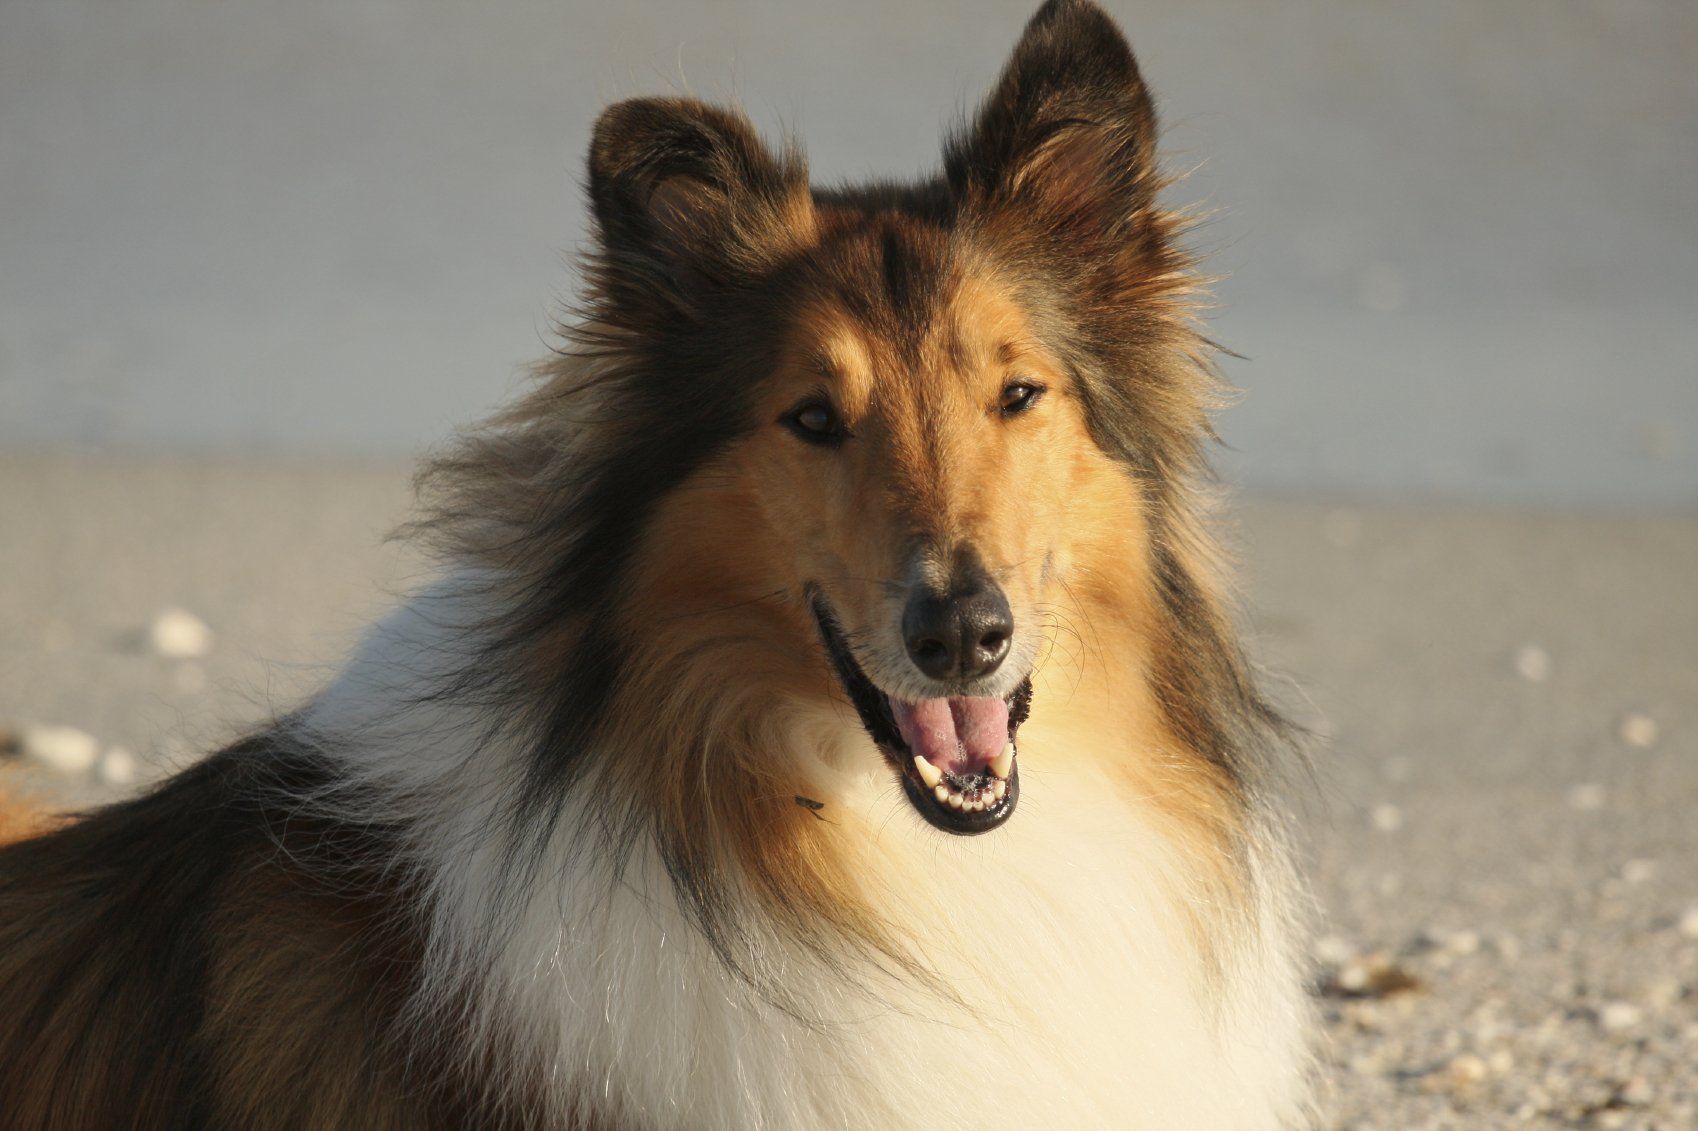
211,956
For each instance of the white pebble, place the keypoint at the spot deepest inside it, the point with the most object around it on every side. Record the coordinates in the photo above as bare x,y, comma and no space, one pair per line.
1465,1070
1354,977
179,635
1462,942
1617,1016
1387,818
1689,922
1533,663
117,767
66,750
1638,730
1587,797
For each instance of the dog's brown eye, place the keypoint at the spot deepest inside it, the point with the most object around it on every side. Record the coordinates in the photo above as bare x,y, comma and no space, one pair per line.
1018,396
816,422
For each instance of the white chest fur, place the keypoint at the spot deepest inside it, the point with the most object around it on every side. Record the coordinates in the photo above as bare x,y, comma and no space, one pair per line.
1084,997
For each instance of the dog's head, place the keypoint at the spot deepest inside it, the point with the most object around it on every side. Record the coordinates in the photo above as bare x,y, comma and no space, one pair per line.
916,414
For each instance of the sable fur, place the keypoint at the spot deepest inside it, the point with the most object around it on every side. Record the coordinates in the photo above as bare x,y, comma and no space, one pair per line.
536,859
20,820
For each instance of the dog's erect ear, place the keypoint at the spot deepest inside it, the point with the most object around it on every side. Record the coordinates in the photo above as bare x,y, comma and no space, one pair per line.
1067,138
687,197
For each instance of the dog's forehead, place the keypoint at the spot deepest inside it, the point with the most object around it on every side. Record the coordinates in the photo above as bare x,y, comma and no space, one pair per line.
898,317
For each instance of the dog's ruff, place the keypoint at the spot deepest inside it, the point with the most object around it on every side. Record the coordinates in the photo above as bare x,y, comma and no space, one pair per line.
1083,997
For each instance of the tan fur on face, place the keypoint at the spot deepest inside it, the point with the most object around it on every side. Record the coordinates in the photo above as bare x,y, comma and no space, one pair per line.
932,470
727,659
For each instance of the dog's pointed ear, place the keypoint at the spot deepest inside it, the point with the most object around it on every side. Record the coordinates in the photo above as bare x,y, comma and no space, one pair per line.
687,198
1067,138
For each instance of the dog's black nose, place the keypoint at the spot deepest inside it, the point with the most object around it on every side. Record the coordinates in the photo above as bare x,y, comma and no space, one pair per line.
962,634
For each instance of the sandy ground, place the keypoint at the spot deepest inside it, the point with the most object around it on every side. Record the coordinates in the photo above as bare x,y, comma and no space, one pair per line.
1503,811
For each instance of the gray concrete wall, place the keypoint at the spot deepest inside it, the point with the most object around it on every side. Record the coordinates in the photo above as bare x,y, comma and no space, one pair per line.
1462,237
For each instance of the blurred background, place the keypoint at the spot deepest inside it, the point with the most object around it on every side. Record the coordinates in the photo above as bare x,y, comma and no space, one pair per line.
1459,237
255,258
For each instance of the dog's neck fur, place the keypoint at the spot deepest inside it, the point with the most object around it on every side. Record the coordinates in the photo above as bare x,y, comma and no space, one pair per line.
1060,958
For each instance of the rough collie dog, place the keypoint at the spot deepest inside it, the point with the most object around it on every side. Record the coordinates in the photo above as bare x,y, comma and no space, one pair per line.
827,715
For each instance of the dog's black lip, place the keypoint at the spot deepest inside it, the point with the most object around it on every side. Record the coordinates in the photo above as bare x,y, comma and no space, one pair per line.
873,706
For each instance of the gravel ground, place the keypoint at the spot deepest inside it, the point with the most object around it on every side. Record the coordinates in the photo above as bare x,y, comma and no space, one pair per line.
1501,826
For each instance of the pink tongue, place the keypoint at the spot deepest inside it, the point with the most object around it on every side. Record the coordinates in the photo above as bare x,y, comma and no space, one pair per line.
958,735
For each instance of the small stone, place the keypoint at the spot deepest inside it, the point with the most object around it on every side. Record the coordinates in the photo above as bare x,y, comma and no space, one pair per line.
1462,942
1587,797
1688,924
11,743
1638,730
1466,1070
1501,1062
117,767
66,750
1532,663
179,635
1619,1016
1353,978
1371,976
1639,871
1387,818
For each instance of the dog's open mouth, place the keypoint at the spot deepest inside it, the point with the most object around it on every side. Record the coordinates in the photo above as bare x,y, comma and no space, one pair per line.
956,756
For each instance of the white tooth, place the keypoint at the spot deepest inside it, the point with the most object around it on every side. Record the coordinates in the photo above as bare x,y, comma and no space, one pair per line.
1003,764
955,801
929,773
1000,789
941,792
978,804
